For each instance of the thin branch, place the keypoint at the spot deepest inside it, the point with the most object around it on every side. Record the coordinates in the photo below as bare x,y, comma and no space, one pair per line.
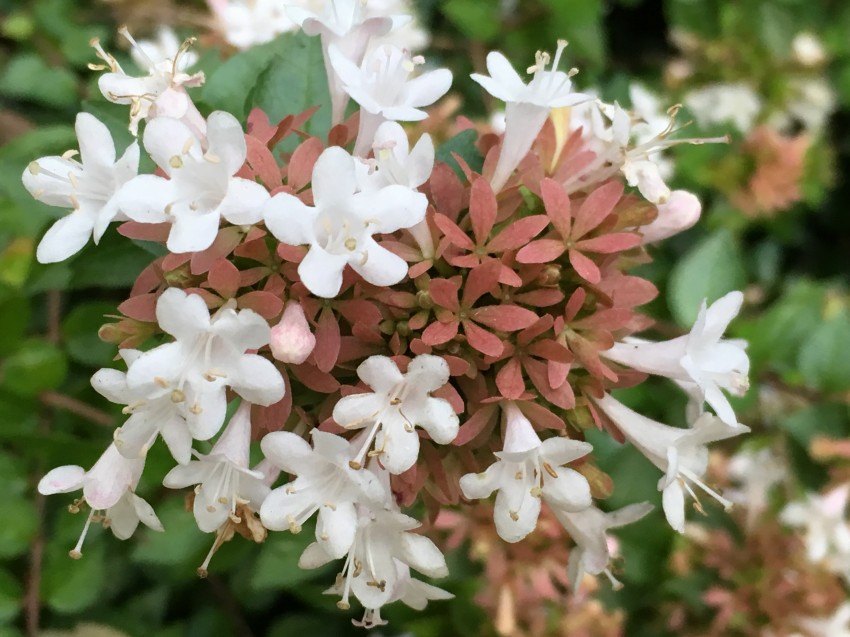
230,606
61,401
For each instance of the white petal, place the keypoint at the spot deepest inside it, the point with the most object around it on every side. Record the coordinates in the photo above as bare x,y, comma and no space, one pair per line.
187,475
420,162
314,556
673,501
290,220
144,198
428,87
390,209
334,179
287,451
321,272
146,514
503,72
177,438
381,267
258,380
477,486
212,407
123,520
439,419
335,528
97,150
380,373
358,410
243,204
510,529
423,555
560,451
184,316
210,514
401,447
166,138
193,232
62,480
226,140
66,237
569,491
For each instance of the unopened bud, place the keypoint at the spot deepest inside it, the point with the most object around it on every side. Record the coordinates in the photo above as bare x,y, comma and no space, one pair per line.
808,50
292,341
680,212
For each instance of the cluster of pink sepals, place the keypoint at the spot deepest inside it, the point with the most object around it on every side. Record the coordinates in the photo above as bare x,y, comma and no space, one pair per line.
504,331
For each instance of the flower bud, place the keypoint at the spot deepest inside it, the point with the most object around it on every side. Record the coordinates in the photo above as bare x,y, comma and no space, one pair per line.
292,341
680,212
808,50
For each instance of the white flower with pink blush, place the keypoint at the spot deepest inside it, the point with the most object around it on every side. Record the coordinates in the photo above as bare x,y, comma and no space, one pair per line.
292,341
201,187
89,186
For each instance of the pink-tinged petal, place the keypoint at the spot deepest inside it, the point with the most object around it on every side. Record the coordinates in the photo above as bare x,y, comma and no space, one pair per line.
65,238
598,205
519,233
258,380
438,333
482,210
97,150
226,140
509,380
454,234
505,318
558,206
328,341
541,251
62,480
145,198
585,267
428,87
381,267
182,315
481,280
334,178
610,243
289,219
444,293
321,272
243,203
166,138
485,342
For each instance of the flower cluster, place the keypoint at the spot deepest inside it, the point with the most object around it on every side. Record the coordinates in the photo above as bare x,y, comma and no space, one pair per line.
395,329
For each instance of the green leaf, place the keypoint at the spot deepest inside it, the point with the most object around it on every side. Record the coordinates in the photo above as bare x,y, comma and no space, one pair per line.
709,271
179,544
10,596
14,319
462,144
115,263
295,81
579,22
19,527
79,332
228,87
70,586
827,419
28,77
36,367
824,360
277,564
475,19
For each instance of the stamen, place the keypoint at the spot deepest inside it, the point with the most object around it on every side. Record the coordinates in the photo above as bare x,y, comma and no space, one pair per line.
77,552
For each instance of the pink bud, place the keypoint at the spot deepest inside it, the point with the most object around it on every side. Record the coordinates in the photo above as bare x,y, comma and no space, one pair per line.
292,341
680,212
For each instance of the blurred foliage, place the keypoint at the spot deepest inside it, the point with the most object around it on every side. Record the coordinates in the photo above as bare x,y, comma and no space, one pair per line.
792,265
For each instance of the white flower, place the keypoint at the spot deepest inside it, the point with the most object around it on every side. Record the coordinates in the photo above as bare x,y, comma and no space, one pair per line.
702,361
528,470
737,104
680,453
399,404
108,487
201,188
756,472
207,356
345,25
153,410
161,92
527,105
812,101
808,49
395,162
837,625
589,530
383,88
410,35
291,339
339,228
326,483
246,23
165,48
224,480
827,533
88,186
370,572
681,211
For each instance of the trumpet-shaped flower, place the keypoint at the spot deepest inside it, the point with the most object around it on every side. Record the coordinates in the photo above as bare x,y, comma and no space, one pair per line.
395,162
527,106
399,404
201,187
589,529
702,362
89,186
370,572
224,481
161,92
383,88
681,454
345,25
527,471
108,488
326,482
207,356
339,228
